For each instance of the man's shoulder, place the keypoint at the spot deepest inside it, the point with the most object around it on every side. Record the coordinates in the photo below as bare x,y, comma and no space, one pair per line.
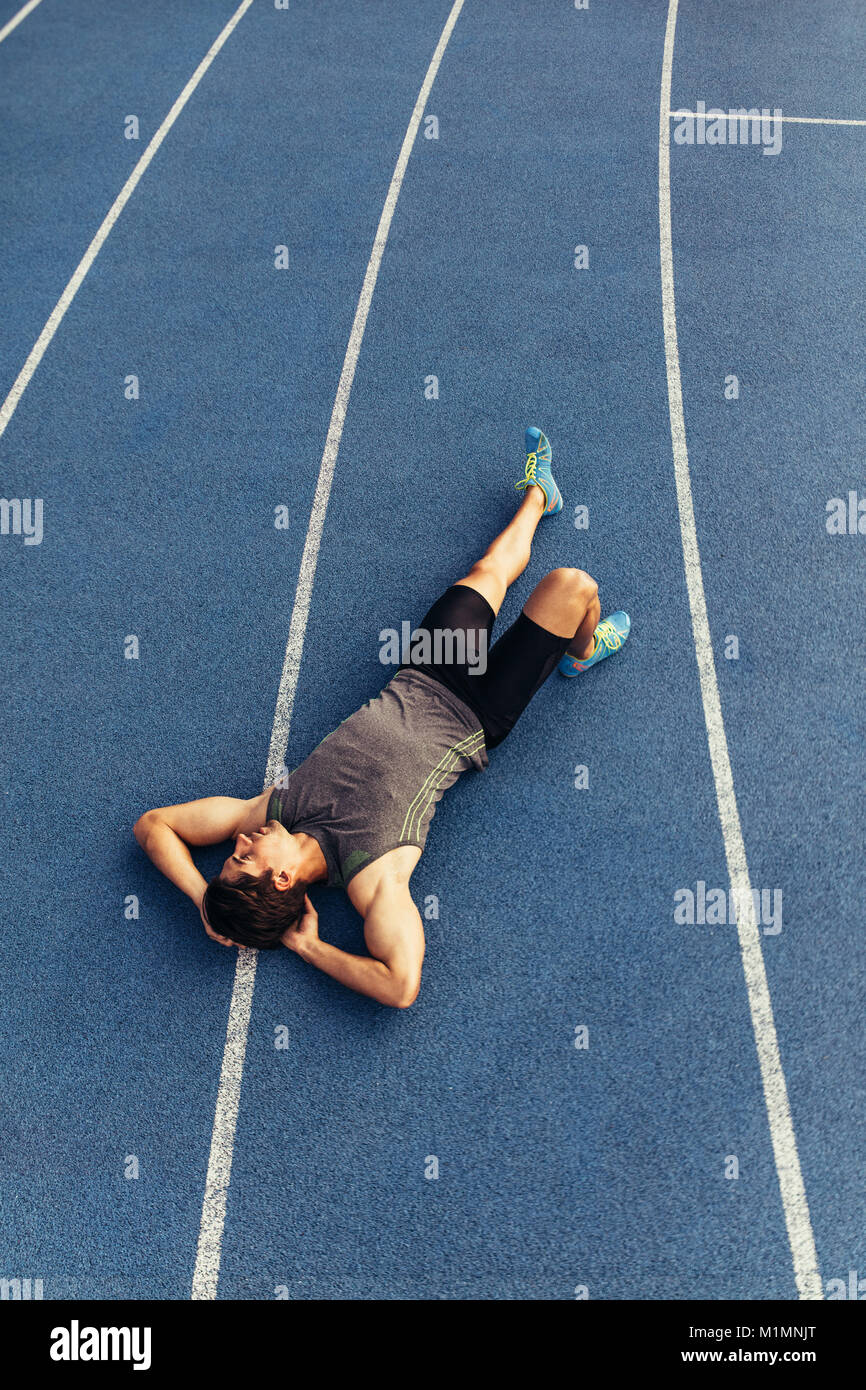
393,868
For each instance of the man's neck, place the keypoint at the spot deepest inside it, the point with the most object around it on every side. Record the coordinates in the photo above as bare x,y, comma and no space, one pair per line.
314,865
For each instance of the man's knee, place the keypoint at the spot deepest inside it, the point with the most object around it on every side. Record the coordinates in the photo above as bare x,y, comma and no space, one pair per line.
575,583
489,579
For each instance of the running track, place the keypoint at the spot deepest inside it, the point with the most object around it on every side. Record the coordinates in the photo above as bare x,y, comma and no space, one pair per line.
560,1169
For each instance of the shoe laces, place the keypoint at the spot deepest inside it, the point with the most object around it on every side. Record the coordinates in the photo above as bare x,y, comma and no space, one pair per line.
531,464
609,635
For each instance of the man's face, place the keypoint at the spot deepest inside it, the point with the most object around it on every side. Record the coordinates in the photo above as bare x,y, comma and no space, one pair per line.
269,847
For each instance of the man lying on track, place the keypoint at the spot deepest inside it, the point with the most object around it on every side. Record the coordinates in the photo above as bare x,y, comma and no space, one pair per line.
356,812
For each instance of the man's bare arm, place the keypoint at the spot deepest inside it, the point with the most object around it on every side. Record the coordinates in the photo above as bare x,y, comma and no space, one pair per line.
171,856
211,819
166,833
391,973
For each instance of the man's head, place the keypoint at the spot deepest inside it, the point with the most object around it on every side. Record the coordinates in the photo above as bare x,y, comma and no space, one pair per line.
258,892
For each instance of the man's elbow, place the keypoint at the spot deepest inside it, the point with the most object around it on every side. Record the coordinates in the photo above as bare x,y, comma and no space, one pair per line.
142,828
406,991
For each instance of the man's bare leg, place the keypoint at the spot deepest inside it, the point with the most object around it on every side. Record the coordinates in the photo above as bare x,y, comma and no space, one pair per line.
564,601
507,556
584,641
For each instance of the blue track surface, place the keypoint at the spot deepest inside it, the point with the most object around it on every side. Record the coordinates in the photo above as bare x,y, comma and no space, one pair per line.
558,1167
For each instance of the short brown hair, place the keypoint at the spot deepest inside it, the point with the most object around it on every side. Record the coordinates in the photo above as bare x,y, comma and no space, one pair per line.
252,911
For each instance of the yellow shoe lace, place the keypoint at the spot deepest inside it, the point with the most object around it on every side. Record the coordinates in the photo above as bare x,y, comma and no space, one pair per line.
609,636
531,462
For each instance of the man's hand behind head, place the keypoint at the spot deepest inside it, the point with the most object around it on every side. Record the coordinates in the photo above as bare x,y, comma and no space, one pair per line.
306,928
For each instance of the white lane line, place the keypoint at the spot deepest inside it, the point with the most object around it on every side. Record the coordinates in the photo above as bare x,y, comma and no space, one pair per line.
38,351
17,18
793,1193
207,1265
800,120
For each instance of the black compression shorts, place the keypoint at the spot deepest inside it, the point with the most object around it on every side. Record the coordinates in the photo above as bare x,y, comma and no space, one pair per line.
517,665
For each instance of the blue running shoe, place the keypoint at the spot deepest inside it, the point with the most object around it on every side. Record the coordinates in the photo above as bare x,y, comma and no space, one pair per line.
610,635
538,455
